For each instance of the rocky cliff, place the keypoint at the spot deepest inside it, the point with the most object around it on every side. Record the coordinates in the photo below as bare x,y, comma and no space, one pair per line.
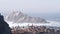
21,17
4,27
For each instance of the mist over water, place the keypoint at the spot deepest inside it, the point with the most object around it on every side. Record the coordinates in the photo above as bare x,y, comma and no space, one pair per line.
53,22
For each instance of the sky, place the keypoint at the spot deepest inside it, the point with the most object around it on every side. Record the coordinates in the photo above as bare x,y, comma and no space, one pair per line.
26,5
40,8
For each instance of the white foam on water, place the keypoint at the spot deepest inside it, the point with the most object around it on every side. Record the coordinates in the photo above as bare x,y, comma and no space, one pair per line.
52,23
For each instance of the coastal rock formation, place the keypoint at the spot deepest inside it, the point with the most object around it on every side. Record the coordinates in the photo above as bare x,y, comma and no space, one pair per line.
4,27
35,30
21,17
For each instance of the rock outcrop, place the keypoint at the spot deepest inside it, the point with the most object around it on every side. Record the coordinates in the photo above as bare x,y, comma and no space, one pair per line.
21,17
4,27
35,30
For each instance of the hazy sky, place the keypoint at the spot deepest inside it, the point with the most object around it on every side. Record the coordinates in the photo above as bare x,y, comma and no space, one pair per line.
37,7
40,5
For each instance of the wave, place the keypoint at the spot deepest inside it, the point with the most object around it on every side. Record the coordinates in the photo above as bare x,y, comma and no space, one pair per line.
51,23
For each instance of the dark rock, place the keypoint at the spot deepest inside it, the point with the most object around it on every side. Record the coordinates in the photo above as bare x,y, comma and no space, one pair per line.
4,27
27,33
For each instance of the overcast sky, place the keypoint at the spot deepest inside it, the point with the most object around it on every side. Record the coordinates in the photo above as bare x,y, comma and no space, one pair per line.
37,7
40,5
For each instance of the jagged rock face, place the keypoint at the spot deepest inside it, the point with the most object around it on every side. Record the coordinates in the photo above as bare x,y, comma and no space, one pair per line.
20,17
4,27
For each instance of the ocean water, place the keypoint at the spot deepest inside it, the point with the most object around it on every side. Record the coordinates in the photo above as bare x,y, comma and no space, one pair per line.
51,23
